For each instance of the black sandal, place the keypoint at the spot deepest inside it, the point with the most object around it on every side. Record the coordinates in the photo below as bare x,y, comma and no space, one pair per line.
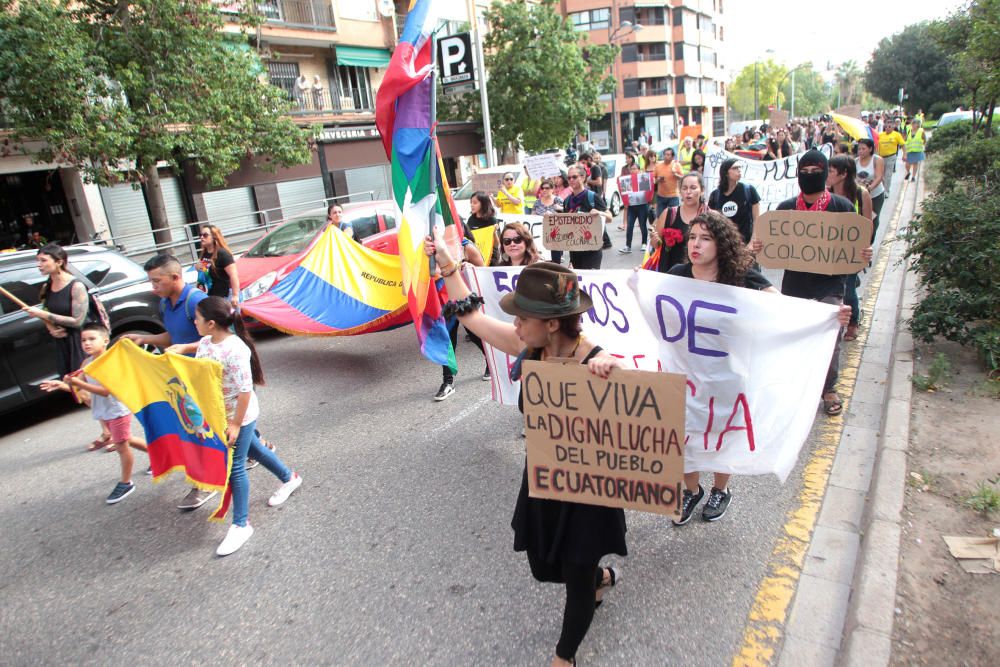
614,575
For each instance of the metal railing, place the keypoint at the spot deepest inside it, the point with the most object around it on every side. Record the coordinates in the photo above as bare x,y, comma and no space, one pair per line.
346,100
183,243
318,13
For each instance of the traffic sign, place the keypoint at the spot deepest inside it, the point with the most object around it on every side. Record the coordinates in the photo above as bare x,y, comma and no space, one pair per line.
455,60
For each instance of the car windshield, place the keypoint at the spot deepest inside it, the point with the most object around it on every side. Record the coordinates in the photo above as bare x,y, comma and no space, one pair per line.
290,238
464,192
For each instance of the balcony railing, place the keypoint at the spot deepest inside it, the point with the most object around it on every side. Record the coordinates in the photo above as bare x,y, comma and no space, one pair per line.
347,100
316,13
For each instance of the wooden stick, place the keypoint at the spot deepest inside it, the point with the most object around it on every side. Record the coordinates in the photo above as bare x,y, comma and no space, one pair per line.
13,298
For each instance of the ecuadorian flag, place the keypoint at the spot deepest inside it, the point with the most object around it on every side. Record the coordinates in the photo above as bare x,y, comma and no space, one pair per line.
340,288
178,401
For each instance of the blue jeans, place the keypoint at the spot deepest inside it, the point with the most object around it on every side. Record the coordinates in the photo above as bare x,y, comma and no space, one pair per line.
663,203
248,442
851,298
636,214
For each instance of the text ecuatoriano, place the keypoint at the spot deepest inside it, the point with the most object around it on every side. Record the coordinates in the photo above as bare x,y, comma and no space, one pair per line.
605,486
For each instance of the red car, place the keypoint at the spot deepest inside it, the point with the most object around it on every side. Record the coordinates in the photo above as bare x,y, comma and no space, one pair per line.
279,251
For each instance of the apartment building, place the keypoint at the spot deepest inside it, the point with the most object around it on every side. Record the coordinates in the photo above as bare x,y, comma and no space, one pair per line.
668,72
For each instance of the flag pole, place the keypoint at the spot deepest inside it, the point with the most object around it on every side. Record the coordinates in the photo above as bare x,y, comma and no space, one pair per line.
433,135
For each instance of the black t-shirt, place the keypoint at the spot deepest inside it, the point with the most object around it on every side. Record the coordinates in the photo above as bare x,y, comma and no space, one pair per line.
676,254
217,271
753,279
599,171
815,285
580,203
737,206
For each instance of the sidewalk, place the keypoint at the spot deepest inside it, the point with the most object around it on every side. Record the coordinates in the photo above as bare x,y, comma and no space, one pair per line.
843,606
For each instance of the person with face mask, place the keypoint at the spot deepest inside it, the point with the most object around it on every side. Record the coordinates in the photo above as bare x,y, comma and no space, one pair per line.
812,176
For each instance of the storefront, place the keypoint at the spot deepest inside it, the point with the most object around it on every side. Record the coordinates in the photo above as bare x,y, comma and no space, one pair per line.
33,209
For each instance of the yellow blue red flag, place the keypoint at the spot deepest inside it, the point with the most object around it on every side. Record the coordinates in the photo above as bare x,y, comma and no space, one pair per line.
178,401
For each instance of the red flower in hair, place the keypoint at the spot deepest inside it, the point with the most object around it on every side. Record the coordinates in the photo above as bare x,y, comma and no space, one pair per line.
672,237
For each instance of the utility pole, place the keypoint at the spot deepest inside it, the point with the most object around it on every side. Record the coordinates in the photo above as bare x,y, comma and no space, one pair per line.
477,39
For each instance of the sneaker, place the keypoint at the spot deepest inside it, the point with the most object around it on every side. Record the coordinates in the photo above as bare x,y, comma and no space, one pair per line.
625,251
195,499
718,502
235,538
285,490
446,390
149,470
643,247
487,376
120,491
690,501
251,464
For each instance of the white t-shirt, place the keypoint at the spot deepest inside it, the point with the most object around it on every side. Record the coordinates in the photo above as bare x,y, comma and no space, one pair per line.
105,407
237,378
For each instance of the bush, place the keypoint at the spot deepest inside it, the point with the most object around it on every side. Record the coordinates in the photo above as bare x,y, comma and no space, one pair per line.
974,159
948,136
955,251
938,109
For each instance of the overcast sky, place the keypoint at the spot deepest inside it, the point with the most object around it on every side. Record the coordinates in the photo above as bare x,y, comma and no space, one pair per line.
851,28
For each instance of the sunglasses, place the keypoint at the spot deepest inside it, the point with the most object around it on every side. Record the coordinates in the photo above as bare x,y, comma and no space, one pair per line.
512,241
205,235
546,187
509,180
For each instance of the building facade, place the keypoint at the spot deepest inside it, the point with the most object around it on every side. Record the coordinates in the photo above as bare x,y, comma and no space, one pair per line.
668,72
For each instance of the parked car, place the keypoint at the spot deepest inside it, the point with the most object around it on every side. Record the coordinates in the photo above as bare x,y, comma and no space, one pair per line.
279,251
27,351
463,194
953,117
613,162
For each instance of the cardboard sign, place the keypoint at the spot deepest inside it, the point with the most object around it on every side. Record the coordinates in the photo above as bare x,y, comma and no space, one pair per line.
813,241
616,442
637,191
574,231
489,183
778,118
542,166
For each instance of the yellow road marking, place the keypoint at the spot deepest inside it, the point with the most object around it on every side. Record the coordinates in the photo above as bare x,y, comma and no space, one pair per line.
769,611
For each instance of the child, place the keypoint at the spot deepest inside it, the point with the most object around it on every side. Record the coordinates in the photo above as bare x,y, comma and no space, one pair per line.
240,372
94,339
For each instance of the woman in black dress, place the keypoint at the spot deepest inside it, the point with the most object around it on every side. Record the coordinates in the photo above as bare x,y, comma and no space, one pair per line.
564,541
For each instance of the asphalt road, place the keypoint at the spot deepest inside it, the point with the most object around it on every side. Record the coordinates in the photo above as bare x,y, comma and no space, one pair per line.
396,550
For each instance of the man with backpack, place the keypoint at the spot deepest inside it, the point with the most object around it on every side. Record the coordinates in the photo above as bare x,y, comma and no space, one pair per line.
740,202
178,302
583,200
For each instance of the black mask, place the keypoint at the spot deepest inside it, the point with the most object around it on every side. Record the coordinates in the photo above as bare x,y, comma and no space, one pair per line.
811,184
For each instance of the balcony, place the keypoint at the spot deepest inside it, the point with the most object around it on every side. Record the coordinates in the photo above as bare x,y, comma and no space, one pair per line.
316,14
318,103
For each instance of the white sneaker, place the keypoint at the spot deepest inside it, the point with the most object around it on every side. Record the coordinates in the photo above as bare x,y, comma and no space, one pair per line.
644,247
235,538
625,251
285,490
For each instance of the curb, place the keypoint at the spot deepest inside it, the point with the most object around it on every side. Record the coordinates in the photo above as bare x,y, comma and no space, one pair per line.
845,598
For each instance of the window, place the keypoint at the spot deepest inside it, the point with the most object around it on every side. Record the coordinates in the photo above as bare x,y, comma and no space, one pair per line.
630,53
283,75
594,19
365,226
24,283
706,55
650,16
705,24
95,270
647,87
355,88
290,238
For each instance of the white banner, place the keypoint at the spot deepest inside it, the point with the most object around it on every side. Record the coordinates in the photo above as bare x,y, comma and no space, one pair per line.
755,362
542,166
774,180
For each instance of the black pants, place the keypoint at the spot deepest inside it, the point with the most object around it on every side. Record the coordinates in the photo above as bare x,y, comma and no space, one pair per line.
581,592
446,373
586,259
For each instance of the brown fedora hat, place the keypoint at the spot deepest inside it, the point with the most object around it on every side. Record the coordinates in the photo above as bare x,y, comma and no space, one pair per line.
546,291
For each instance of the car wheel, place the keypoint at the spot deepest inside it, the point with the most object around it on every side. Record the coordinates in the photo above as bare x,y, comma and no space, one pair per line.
616,204
152,349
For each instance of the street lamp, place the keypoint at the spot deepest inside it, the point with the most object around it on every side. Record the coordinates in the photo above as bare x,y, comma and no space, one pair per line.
756,81
623,29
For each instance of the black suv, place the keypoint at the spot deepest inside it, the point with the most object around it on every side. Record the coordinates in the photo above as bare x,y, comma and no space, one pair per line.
27,351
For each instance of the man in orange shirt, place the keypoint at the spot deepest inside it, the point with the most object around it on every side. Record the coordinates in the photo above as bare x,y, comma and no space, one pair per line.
668,174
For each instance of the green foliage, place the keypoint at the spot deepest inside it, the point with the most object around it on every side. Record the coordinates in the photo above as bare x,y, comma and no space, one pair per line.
913,60
544,77
106,83
938,374
985,499
954,248
973,159
812,96
949,136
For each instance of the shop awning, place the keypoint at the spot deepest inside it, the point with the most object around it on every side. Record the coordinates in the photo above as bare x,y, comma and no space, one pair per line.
360,56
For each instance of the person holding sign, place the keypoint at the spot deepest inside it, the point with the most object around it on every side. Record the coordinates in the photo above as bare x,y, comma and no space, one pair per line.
583,200
549,202
812,176
564,541
510,197
740,202
482,216
843,181
637,192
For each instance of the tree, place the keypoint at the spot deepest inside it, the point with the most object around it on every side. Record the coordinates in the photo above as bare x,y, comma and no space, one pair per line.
912,60
544,78
812,95
848,77
741,91
111,87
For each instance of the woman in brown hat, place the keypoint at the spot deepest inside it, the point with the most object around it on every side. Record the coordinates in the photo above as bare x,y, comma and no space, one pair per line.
564,541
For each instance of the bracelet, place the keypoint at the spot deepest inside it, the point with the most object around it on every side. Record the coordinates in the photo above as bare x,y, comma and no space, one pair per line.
448,270
462,306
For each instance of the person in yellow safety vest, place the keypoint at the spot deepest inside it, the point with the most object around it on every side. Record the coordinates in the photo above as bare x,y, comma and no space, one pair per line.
914,149
685,152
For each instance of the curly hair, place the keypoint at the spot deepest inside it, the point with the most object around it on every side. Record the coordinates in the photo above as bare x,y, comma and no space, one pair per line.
732,256
530,251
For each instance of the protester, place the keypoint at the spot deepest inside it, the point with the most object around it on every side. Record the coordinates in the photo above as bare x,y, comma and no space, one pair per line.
716,254
562,189
740,202
890,141
335,218
871,174
637,211
518,246
698,161
510,196
668,174
812,175
778,147
685,153
598,180
843,180
626,169
914,149
564,541
650,169
107,409
670,231
549,202
217,273
225,340
582,200
483,216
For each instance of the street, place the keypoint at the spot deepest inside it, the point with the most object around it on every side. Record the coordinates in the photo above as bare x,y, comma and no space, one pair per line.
396,550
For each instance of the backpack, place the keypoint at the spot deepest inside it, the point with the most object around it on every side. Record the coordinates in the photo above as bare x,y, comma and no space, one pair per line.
96,312
187,309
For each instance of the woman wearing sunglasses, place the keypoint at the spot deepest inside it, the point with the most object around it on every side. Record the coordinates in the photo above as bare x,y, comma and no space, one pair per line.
518,247
510,197
549,202
217,273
